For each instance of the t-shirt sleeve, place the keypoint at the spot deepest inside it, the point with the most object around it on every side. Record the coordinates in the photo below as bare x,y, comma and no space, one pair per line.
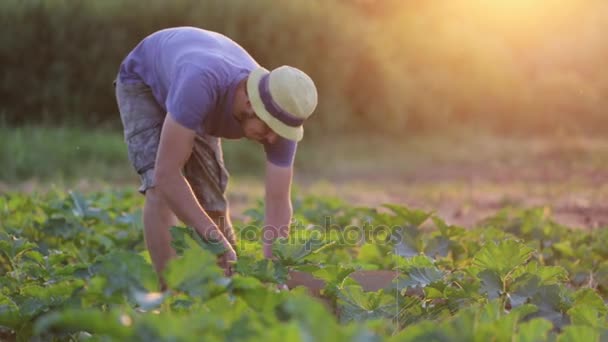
282,152
191,97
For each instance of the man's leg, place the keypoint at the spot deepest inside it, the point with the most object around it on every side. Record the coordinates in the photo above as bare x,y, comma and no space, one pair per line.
142,119
158,218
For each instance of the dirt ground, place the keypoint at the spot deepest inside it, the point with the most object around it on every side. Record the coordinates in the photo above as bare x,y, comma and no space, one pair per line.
568,177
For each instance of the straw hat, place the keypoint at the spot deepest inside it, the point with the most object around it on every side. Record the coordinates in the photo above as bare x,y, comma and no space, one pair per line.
283,99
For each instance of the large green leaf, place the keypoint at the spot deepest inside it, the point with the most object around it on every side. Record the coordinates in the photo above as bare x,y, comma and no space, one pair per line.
589,298
407,242
551,302
9,312
12,246
418,277
316,323
124,271
334,276
491,284
547,274
196,273
35,299
114,324
534,330
425,331
437,247
523,289
583,315
356,305
502,257
575,333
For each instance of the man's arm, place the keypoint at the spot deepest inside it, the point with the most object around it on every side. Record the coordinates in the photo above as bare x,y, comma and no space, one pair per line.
278,205
176,143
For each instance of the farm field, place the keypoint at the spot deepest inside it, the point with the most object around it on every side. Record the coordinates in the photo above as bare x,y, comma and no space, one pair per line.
514,250
74,268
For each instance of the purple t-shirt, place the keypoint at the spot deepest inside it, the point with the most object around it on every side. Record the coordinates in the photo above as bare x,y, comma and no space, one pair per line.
193,74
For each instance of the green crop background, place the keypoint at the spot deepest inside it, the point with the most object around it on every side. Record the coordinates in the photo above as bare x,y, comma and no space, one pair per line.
74,267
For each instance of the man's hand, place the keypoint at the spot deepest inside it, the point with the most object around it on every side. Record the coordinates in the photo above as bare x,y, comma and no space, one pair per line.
227,260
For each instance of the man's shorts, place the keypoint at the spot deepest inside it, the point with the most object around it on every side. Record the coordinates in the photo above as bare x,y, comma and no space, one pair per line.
143,119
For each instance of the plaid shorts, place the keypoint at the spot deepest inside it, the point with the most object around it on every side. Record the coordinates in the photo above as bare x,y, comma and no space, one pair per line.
142,118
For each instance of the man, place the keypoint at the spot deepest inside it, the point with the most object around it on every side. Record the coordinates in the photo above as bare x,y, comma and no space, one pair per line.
181,90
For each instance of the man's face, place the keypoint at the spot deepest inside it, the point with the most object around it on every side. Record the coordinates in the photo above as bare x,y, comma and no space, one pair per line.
254,128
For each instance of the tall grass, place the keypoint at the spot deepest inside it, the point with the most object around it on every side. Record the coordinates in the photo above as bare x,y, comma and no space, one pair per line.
386,66
32,152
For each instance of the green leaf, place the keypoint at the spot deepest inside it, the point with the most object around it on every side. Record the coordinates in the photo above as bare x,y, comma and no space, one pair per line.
502,257
241,284
491,284
12,246
564,247
574,333
523,289
549,274
291,252
112,324
418,277
333,273
502,329
549,299
356,305
197,274
265,270
262,300
38,299
334,276
80,204
412,217
406,242
438,246
183,238
591,299
426,331
9,312
433,293
582,315
534,330
419,261
123,272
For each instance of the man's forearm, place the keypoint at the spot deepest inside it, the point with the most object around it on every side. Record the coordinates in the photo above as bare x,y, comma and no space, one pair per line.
277,219
178,194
